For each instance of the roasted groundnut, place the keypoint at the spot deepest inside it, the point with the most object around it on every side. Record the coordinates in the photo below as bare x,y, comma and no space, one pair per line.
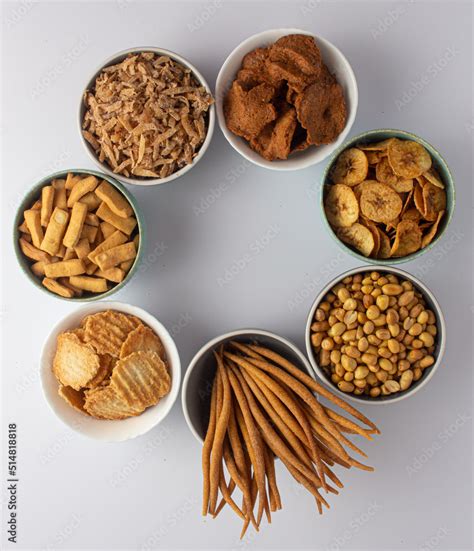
374,335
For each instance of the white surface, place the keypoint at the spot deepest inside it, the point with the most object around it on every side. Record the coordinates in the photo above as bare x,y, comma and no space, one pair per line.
337,65
234,245
108,431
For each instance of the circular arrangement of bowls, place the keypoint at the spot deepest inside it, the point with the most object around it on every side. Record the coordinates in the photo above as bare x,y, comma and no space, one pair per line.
197,383
34,194
100,429
117,58
438,163
428,372
336,63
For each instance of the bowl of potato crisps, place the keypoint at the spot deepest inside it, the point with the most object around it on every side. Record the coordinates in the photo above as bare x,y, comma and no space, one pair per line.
286,98
146,116
387,196
110,371
375,334
79,235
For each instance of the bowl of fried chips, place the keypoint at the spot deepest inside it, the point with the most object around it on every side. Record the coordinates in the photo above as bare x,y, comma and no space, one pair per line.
286,98
387,196
79,235
110,371
146,116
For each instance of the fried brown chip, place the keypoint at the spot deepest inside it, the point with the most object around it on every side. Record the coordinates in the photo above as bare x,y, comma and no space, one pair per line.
380,203
104,403
248,112
359,237
385,174
407,239
385,246
143,339
141,379
376,146
321,110
341,206
296,59
408,159
107,364
351,167
274,142
75,398
428,238
75,363
433,178
434,201
106,331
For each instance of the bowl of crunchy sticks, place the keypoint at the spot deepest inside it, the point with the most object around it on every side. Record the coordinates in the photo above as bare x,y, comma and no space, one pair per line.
250,397
146,116
79,235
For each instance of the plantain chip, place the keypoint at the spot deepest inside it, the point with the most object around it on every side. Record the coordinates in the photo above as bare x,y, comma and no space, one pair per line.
377,146
341,206
351,167
385,174
385,247
407,239
428,238
408,159
359,237
433,178
434,201
380,203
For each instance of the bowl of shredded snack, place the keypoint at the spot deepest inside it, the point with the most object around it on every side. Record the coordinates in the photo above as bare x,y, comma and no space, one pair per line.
146,116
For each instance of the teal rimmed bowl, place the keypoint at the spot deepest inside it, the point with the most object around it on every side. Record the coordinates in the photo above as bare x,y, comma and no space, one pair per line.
438,163
34,194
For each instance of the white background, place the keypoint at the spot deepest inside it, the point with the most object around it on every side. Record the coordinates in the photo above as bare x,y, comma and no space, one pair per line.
79,494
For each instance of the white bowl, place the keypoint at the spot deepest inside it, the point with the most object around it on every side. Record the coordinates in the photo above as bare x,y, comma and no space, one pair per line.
336,63
101,429
197,383
427,373
117,58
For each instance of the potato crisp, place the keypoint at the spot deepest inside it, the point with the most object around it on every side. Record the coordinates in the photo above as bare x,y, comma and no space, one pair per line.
112,367
284,99
386,199
146,117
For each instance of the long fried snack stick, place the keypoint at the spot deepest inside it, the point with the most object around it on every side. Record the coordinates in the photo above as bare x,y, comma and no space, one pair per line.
347,424
254,490
274,441
227,495
254,443
206,450
260,392
275,499
290,403
222,502
240,462
307,396
221,429
311,383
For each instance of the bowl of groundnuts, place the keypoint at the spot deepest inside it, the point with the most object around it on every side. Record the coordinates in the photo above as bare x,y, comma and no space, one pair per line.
375,334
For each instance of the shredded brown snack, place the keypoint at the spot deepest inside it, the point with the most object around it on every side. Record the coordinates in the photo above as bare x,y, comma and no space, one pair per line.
146,116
